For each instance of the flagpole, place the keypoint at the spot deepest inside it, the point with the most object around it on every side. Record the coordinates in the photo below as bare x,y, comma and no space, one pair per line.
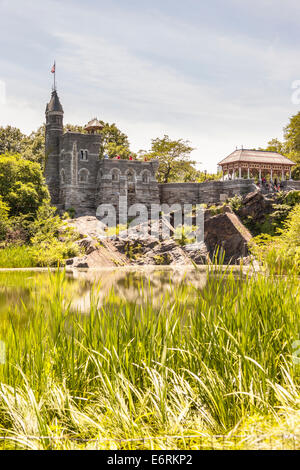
54,76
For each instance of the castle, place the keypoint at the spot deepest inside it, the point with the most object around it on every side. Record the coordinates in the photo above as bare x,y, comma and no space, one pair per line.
78,179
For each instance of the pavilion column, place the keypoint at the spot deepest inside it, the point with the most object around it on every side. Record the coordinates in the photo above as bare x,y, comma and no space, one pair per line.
271,174
259,174
290,173
282,175
248,173
240,173
233,174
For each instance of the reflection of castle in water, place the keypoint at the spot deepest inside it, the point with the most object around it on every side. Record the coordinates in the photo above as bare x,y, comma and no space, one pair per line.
133,286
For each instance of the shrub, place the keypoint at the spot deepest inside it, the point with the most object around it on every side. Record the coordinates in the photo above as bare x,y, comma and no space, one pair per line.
236,202
282,251
184,235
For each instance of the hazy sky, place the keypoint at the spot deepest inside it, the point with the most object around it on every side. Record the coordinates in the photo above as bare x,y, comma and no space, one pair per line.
218,73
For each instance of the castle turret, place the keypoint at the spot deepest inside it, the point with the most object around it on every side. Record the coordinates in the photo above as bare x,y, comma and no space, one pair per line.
54,132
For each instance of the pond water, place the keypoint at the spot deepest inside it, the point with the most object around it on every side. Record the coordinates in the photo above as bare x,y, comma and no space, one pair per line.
21,290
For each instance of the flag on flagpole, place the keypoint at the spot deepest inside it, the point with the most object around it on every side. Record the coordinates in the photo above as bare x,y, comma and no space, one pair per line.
53,68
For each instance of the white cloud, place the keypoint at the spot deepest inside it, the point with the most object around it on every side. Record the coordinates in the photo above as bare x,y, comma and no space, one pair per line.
153,73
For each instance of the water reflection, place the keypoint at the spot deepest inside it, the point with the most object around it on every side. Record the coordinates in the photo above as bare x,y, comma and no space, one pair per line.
135,286
19,289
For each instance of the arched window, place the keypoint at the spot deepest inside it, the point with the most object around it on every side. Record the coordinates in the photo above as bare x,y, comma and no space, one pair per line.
115,176
84,155
62,176
130,176
146,176
83,175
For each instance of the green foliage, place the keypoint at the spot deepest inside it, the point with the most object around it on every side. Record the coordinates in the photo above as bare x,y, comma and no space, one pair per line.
291,198
185,235
292,138
290,147
32,147
114,142
275,145
236,203
214,210
203,176
193,361
163,259
11,140
22,185
70,213
115,230
52,239
174,159
15,256
4,220
133,250
280,214
45,240
282,251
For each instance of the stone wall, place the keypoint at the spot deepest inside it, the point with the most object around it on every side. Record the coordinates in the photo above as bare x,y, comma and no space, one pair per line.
54,131
212,192
291,185
78,169
134,181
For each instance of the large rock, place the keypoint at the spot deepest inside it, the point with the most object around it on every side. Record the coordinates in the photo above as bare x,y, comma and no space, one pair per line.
226,232
151,251
256,206
88,226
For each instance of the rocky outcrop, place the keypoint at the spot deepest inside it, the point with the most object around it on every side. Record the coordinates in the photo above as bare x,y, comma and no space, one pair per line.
88,226
151,251
139,246
226,233
256,206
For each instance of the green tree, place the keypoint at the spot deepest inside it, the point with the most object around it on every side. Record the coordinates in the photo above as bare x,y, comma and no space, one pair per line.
275,145
174,159
204,176
114,142
34,146
292,138
22,185
11,140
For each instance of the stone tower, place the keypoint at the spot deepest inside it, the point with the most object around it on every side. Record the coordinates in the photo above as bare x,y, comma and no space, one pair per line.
54,132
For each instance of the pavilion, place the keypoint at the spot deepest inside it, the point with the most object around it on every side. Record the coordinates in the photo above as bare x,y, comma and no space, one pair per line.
245,163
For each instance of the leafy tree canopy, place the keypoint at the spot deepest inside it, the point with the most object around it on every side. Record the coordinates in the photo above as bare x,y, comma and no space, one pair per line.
174,157
22,185
290,147
32,147
11,140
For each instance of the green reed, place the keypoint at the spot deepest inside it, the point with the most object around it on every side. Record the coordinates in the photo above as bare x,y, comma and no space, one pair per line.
200,361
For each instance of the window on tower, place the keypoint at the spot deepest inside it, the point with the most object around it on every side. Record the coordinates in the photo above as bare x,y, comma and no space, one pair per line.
84,155
83,175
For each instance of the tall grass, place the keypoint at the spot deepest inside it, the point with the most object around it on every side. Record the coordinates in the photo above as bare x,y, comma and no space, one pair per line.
17,257
211,361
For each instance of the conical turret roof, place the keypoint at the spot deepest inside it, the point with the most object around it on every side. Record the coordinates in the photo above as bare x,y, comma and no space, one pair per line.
54,104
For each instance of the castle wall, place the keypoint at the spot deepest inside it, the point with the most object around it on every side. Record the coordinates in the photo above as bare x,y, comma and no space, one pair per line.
78,176
211,192
134,181
291,185
54,131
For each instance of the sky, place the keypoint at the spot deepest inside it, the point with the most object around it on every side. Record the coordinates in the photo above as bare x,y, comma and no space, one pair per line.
218,73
